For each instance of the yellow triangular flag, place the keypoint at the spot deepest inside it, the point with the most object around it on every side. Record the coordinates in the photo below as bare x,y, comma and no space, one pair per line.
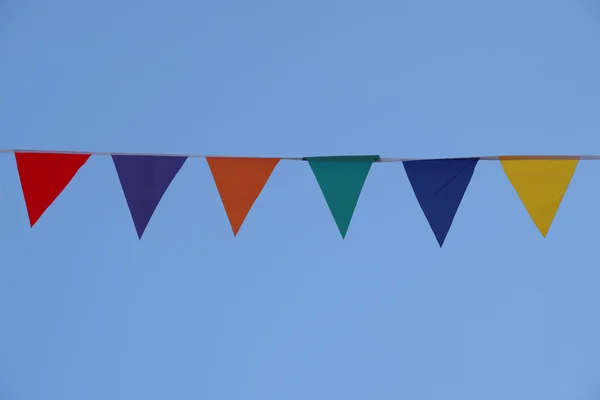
541,185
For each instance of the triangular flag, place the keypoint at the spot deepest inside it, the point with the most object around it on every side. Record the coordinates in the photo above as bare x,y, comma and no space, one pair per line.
439,186
145,180
239,182
541,185
341,180
44,176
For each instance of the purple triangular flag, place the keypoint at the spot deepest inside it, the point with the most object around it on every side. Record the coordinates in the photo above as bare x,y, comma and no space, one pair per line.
145,180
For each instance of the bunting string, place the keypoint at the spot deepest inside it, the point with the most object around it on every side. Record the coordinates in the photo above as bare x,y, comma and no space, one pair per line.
583,157
439,185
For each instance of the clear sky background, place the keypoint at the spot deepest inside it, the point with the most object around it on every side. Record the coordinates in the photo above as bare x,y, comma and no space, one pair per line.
289,310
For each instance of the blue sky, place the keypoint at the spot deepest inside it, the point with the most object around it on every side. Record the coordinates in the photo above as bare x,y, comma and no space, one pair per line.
289,310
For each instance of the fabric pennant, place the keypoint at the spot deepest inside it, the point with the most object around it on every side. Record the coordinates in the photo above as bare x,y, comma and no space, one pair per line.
239,181
144,180
44,176
541,185
341,180
439,186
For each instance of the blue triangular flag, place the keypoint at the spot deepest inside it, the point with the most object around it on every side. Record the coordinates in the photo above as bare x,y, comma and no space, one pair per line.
439,186
145,180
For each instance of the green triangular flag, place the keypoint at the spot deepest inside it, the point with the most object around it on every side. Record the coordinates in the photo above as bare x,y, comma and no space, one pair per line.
341,180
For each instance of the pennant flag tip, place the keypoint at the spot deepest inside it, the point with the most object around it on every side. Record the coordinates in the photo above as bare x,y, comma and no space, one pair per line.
140,229
32,220
235,227
441,238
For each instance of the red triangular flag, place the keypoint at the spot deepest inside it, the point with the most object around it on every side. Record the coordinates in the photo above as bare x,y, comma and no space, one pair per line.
44,176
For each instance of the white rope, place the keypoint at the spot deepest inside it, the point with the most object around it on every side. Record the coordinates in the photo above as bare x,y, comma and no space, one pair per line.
191,155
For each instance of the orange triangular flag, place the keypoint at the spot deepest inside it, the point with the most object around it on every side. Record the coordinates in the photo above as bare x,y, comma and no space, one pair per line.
240,181
44,176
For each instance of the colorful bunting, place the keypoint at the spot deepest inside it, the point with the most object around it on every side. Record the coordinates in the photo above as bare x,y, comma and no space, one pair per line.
439,186
44,176
541,185
239,182
144,180
341,180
